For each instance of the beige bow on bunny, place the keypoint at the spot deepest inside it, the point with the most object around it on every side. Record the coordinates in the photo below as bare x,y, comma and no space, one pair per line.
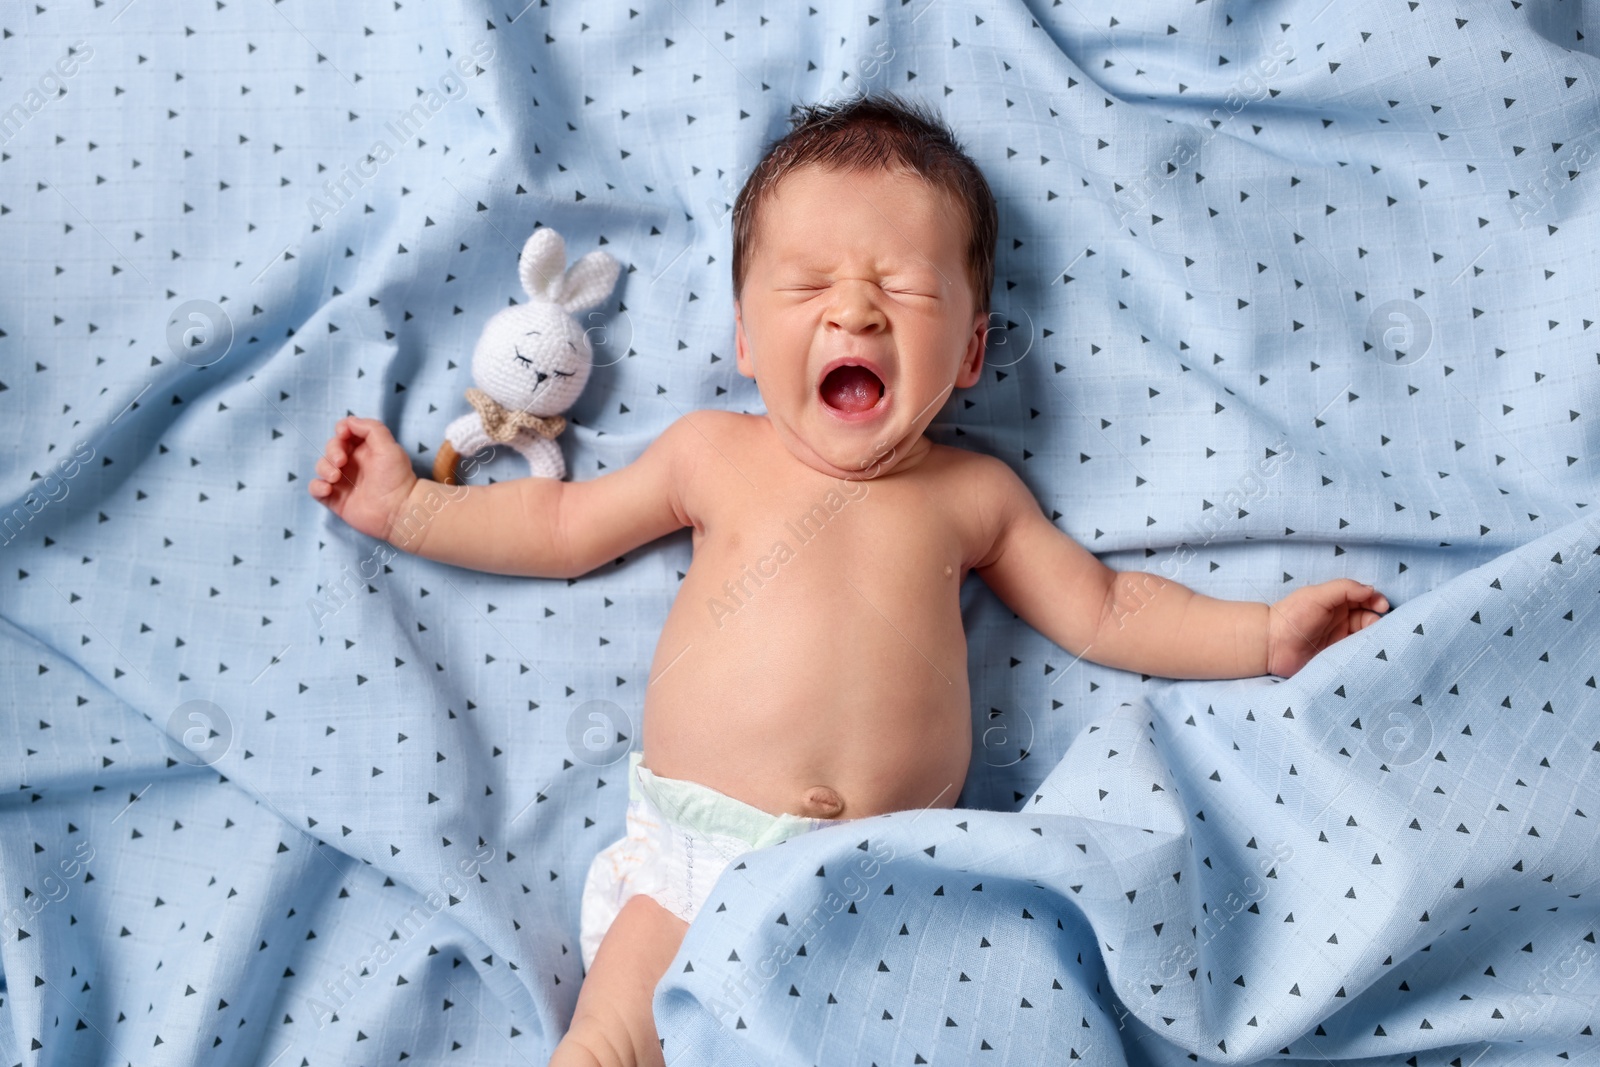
503,424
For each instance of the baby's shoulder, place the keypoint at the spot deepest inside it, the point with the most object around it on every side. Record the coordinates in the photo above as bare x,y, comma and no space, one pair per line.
711,423
978,485
705,432
978,493
727,421
715,427
976,471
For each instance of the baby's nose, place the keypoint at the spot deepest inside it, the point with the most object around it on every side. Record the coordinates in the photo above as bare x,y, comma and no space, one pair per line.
539,376
854,310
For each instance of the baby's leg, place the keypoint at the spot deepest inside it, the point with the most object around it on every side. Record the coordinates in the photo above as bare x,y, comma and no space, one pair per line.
613,1025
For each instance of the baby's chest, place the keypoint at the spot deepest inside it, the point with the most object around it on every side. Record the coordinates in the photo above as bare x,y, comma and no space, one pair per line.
861,530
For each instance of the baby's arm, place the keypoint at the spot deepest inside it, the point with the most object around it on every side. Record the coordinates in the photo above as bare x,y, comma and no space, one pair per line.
531,526
1142,622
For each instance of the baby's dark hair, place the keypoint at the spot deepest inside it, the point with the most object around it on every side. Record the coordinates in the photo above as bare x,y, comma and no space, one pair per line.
878,131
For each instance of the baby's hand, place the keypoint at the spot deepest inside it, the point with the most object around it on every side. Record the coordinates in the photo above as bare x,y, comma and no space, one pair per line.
1309,620
364,476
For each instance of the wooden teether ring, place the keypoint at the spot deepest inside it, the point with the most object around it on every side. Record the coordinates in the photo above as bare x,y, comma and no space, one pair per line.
444,465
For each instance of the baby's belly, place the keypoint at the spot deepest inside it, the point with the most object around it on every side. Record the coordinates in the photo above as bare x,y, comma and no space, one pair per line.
814,693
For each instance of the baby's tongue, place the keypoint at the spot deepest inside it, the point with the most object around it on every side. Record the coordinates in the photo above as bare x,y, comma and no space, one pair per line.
851,389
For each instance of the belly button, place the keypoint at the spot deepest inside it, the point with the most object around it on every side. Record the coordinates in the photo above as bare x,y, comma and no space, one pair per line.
821,802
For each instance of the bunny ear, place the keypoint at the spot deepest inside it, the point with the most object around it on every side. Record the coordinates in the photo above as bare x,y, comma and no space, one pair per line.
540,267
589,281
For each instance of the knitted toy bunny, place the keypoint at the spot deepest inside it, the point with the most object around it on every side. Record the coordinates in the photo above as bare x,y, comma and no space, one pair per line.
531,361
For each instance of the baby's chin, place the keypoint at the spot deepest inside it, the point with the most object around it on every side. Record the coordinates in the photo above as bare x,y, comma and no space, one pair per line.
853,453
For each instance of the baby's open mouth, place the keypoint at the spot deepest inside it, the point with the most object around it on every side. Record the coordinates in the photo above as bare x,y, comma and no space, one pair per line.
851,389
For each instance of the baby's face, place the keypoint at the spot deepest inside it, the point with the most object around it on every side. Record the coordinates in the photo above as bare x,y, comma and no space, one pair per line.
856,318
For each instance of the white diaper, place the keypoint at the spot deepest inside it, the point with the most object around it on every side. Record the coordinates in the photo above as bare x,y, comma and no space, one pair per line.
680,837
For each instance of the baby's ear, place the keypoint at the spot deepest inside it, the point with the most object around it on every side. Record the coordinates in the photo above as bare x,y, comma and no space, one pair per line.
971,368
741,345
541,265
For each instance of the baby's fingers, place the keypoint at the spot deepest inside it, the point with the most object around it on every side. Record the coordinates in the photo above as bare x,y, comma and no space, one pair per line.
327,485
363,429
1373,600
349,433
1358,593
1335,594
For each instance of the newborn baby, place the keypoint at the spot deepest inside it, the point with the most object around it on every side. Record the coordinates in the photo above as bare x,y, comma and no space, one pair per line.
813,666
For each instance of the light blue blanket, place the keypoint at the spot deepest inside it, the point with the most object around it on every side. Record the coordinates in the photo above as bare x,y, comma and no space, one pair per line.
1285,292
